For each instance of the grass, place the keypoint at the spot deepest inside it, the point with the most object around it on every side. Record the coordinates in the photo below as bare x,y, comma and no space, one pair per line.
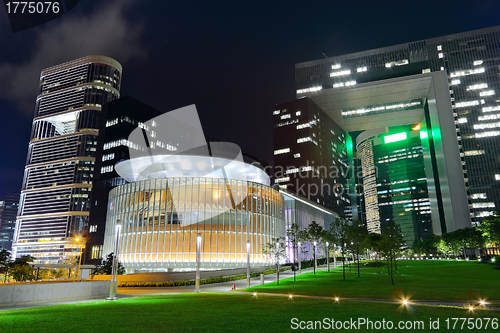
213,312
422,280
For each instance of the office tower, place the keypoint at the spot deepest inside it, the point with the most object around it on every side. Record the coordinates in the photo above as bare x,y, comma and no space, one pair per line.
470,62
311,155
8,212
118,119
400,185
54,205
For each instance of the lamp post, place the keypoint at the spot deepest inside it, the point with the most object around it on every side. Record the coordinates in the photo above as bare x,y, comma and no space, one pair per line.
314,254
327,258
113,287
278,263
198,258
248,264
80,241
300,260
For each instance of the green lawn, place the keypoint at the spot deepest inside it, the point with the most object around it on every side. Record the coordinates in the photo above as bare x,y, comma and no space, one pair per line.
210,312
422,280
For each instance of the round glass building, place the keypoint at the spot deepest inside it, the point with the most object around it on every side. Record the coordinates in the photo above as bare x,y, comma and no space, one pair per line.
159,219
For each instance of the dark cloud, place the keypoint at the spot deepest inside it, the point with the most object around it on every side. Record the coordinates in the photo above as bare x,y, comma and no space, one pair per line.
105,31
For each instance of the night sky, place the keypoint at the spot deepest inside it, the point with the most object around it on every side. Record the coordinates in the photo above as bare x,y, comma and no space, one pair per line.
233,59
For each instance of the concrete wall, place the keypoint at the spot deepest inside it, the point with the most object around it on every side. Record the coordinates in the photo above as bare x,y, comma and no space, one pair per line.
40,292
175,276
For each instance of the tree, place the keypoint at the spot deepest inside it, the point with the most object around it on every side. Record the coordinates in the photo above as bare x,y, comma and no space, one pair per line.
106,267
21,270
490,230
4,263
357,234
295,235
314,234
275,251
339,227
391,242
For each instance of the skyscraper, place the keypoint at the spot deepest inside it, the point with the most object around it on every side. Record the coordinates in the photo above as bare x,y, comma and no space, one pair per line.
471,63
8,212
54,204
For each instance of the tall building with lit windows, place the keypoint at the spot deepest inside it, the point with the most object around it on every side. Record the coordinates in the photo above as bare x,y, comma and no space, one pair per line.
356,90
311,155
54,203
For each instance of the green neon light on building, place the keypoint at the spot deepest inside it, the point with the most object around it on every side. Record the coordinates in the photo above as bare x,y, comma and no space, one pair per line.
423,134
395,137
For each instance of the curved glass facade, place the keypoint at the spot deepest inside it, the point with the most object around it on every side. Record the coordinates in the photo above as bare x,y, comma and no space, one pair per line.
161,218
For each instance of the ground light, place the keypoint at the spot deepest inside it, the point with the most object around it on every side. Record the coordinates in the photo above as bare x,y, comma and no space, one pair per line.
255,294
290,296
471,308
337,299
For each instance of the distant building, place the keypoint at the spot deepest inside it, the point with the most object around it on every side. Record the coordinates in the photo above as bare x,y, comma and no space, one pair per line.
311,155
344,87
54,205
8,212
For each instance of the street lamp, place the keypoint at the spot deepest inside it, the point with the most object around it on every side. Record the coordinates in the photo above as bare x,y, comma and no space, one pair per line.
327,258
300,259
80,243
198,258
113,287
248,264
314,253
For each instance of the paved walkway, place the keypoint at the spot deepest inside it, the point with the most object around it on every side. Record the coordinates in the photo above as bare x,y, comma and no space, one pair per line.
240,284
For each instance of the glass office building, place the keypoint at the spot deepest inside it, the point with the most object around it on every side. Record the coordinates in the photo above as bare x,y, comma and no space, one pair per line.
160,220
8,213
471,63
54,203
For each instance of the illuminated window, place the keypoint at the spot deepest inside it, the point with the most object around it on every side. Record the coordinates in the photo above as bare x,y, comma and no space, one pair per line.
467,103
289,171
93,228
108,157
487,93
340,73
282,151
427,70
296,155
462,120
336,66
477,86
483,205
111,122
478,62
454,82
491,108
478,196
473,152
297,113
487,134
361,69
488,125
439,47
306,90
397,63
306,139
285,116
281,180
440,55
497,177
106,169
467,72
275,112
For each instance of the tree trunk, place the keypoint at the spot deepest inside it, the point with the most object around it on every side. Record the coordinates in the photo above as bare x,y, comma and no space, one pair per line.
396,265
358,261
388,266
392,279
277,274
343,264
